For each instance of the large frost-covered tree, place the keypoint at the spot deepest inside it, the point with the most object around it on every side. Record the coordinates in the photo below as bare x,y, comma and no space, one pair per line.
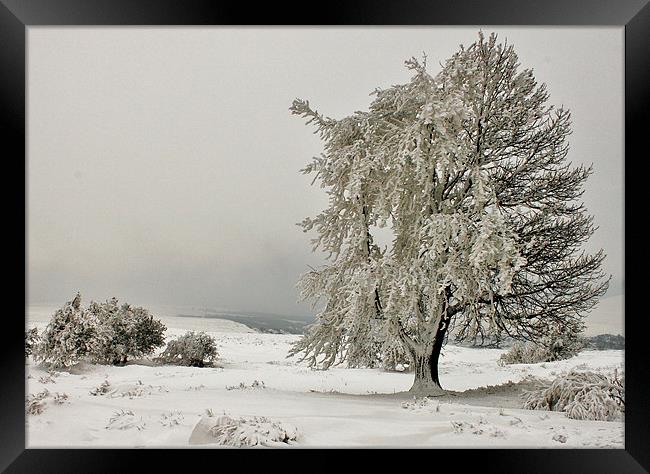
468,171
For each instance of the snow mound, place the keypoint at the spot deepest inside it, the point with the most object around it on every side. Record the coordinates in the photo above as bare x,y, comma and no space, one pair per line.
243,431
581,395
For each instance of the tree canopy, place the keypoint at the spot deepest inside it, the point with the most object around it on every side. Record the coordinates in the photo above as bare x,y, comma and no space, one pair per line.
468,172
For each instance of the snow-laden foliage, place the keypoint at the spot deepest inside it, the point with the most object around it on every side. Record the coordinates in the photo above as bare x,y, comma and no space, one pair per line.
135,390
550,348
524,353
70,335
46,379
36,403
102,389
101,333
191,349
243,431
124,331
466,171
582,396
125,420
31,340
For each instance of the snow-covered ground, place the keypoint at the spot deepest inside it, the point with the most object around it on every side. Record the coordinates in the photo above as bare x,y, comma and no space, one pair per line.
159,406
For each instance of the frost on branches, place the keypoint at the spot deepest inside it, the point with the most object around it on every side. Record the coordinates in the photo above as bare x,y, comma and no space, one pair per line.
124,331
31,341
582,396
102,333
70,335
191,349
553,346
467,170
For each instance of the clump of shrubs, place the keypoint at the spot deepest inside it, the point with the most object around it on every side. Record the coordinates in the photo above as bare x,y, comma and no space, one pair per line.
36,402
102,333
581,396
191,349
549,349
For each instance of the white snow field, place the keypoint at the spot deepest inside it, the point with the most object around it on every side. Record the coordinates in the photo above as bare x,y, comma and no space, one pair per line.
159,406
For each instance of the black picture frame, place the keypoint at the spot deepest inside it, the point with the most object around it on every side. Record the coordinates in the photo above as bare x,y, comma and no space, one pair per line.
17,15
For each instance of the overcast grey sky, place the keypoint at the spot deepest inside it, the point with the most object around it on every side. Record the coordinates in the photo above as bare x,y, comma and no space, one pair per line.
163,163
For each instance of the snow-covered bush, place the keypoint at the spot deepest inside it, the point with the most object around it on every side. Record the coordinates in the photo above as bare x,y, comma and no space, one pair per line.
243,431
31,340
60,398
135,390
46,379
550,348
103,333
70,335
125,420
101,389
124,331
191,349
35,403
581,395
524,353
563,345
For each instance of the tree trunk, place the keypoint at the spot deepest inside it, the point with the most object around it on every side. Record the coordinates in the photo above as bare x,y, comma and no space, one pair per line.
424,384
426,380
437,347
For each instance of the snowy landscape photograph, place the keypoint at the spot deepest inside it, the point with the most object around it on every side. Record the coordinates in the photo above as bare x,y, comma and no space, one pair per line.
350,237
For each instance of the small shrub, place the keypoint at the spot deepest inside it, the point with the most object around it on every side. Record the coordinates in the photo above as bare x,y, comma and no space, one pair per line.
102,389
191,349
35,403
243,431
125,420
136,390
46,379
60,398
581,395
560,438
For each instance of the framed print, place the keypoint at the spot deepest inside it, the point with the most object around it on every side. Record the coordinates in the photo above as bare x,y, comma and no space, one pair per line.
391,226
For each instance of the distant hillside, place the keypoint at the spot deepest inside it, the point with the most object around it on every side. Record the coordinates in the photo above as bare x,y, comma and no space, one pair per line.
604,342
263,322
